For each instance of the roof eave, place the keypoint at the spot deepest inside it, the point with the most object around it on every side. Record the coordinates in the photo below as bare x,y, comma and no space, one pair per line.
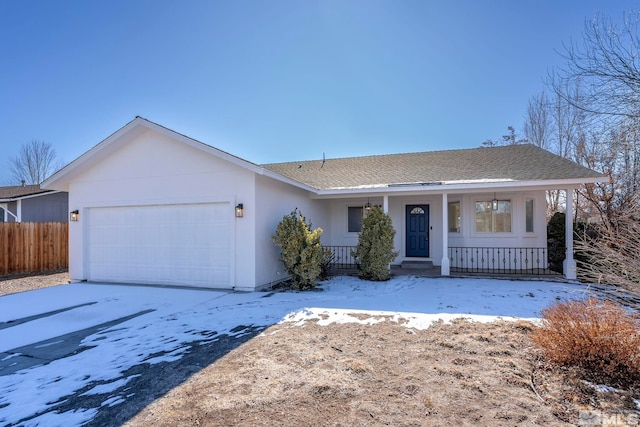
274,175
132,129
440,188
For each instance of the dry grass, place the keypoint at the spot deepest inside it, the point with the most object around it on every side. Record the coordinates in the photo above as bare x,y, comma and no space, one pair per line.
599,337
462,374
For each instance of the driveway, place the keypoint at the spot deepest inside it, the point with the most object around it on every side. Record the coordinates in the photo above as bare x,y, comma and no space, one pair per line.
95,354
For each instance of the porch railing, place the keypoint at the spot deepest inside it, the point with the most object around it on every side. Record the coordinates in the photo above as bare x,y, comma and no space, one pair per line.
528,261
341,257
532,261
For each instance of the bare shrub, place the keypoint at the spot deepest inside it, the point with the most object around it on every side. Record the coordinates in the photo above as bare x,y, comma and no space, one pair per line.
599,337
612,250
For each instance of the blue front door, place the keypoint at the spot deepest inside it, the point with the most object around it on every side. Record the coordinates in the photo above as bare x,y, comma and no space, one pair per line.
417,230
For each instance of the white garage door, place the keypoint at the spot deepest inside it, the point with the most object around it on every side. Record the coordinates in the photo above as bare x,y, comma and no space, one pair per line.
185,245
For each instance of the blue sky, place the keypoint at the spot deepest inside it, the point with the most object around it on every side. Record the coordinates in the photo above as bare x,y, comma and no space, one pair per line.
279,80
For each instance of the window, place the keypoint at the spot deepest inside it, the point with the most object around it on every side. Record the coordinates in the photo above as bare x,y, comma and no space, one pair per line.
528,207
489,221
355,219
454,217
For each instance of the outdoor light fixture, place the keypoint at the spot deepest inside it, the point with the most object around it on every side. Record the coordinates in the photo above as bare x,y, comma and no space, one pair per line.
494,203
239,210
74,215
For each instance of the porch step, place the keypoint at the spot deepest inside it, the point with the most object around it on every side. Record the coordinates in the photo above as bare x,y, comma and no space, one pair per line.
417,265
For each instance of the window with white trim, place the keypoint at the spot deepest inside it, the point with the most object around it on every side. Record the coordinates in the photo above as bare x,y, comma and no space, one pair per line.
528,207
355,219
488,220
454,217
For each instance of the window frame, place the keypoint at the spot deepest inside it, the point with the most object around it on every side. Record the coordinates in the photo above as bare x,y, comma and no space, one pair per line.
458,220
492,215
529,216
351,209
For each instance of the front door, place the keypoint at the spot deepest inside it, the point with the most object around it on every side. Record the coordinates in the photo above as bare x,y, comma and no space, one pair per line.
417,230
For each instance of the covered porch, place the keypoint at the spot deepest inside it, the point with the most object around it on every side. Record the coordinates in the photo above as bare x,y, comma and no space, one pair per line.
489,233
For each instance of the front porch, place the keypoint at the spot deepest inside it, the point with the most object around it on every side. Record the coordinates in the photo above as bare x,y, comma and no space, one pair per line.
463,261
480,232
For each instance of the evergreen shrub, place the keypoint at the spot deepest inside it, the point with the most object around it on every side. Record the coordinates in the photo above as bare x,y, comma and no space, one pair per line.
375,251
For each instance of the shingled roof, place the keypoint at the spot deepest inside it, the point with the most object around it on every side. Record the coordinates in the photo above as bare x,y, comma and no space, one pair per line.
523,162
17,191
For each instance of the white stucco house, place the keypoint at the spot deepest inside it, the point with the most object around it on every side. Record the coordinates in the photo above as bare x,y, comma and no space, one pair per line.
150,205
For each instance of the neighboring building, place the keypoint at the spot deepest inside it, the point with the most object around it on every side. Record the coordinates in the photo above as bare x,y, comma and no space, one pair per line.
155,206
30,203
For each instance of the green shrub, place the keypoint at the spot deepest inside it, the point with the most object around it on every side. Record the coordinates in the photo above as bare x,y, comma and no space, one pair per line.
300,249
556,244
600,338
375,246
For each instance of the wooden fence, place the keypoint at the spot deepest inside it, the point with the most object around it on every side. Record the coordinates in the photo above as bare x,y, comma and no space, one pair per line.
33,246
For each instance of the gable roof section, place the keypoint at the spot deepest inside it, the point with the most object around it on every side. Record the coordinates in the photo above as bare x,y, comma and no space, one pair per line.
513,163
517,165
18,191
60,180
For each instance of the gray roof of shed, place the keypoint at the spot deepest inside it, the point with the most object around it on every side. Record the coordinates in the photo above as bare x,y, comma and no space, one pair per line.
523,162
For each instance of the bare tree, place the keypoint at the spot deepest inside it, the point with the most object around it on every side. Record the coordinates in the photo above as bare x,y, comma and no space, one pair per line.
598,94
35,161
556,125
537,125
607,65
510,138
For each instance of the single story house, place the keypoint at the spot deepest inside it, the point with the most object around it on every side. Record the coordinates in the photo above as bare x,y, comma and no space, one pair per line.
150,205
30,203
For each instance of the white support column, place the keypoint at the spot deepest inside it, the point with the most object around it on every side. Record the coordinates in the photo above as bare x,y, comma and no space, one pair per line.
445,266
569,265
385,204
19,210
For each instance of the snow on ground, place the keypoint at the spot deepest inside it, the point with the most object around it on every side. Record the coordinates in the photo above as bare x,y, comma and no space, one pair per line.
142,324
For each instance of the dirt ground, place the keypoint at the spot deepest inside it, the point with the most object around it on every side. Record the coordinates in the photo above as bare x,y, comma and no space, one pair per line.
28,282
462,374
354,375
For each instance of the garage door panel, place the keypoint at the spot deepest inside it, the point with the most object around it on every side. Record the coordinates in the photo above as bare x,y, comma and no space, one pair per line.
168,244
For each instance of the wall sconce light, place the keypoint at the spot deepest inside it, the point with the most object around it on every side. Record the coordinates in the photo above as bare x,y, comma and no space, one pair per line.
494,203
74,215
239,210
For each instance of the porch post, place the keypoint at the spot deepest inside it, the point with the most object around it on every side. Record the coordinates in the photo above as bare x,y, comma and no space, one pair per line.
569,265
445,266
385,204
19,210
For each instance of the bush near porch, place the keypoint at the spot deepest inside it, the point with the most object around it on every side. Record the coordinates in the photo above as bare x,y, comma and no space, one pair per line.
375,251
